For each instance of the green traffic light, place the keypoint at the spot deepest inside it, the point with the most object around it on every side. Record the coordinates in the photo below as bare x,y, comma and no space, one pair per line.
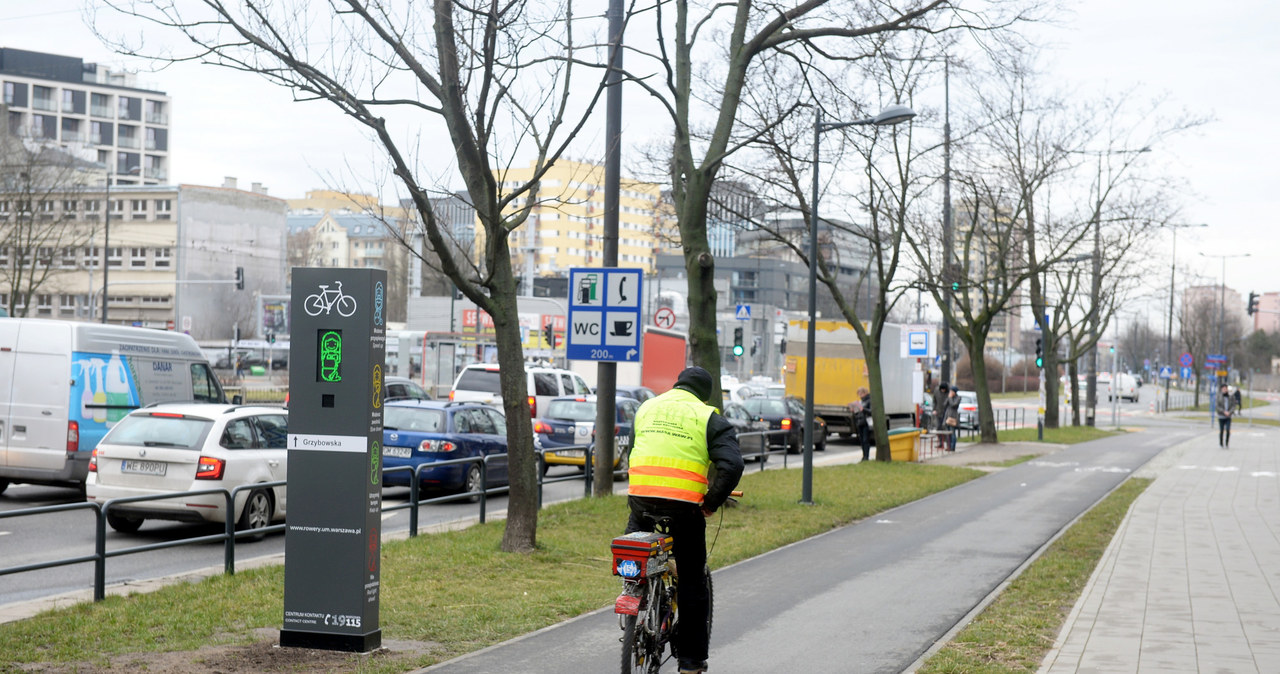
737,350
955,287
1039,362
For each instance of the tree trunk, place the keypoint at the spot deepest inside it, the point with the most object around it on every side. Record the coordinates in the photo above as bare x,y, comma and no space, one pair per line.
521,530
875,381
986,420
1050,370
700,269
1073,374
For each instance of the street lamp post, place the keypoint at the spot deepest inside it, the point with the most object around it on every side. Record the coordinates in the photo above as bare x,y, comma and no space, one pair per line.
894,114
1168,336
1222,318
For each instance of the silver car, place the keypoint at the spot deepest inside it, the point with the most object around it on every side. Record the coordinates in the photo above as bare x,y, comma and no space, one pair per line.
182,447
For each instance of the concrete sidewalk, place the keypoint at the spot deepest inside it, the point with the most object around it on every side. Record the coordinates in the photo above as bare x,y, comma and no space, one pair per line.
1191,581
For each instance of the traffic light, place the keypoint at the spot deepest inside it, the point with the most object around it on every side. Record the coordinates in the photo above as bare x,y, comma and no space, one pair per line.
1039,352
549,334
955,286
737,341
239,278
1253,303
1111,348
271,338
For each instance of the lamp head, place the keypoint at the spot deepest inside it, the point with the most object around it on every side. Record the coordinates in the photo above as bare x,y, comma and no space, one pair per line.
894,114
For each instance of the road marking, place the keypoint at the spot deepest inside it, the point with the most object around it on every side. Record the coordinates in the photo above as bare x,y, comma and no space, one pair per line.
885,522
1262,473
5,533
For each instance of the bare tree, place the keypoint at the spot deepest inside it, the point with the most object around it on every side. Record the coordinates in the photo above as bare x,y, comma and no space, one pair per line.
1197,325
743,37
495,77
37,182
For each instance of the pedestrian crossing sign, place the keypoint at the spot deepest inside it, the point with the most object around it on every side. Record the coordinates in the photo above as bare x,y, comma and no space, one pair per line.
743,313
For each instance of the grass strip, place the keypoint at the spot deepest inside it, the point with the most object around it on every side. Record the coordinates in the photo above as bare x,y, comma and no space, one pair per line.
1065,435
455,592
1016,631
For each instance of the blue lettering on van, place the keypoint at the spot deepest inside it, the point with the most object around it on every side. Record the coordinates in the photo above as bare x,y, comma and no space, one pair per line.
159,366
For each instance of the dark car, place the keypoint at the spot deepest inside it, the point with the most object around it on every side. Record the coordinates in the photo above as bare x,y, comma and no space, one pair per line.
401,388
571,420
639,393
787,414
416,432
743,422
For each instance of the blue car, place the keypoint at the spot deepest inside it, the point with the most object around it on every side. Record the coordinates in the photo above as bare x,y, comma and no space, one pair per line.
416,432
571,421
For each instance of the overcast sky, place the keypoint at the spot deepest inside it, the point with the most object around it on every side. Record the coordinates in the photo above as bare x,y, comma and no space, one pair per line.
1217,63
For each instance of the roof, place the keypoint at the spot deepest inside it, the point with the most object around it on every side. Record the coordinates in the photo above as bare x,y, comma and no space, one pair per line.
358,225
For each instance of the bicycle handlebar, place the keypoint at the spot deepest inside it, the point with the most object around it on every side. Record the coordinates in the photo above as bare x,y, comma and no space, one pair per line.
736,493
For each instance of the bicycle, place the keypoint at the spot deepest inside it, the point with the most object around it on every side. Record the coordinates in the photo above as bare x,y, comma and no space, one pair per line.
647,609
326,299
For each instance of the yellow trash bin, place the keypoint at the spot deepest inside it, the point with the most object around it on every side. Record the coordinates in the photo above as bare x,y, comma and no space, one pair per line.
902,443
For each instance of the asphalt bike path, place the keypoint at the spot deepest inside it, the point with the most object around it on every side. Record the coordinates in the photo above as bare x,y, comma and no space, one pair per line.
873,596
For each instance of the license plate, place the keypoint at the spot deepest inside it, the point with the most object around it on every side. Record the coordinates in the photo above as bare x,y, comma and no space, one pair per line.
142,467
571,453
398,452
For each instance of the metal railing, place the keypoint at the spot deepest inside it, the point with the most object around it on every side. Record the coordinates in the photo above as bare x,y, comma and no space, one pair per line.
101,554
228,536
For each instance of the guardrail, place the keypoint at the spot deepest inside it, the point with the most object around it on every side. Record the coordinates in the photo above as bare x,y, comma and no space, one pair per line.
229,535
101,554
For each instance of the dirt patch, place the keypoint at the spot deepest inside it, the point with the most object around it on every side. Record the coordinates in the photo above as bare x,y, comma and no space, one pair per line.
263,656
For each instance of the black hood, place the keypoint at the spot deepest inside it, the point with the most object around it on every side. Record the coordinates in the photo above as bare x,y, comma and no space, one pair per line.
698,382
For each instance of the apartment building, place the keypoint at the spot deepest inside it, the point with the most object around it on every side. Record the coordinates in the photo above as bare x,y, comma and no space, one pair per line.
566,226
85,108
1267,317
342,238
170,254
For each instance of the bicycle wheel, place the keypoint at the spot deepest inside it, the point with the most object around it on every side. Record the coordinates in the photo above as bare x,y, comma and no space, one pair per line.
314,305
639,650
347,305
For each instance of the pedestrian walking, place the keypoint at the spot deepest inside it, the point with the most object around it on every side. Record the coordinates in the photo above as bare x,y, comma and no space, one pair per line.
1226,408
863,421
951,416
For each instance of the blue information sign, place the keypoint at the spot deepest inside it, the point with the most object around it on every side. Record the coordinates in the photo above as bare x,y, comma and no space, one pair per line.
604,314
1185,373
1166,372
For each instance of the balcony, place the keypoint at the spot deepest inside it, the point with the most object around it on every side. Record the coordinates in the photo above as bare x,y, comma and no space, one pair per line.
156,173
103,111
157,118
72,137
45,104
131,142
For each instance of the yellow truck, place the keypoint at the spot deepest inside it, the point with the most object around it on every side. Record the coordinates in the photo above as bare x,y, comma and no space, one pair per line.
840,369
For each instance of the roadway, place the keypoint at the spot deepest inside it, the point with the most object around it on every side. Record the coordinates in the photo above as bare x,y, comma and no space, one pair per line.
46,537
876,595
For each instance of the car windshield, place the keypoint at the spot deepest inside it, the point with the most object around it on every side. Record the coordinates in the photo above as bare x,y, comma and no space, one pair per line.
968,399
152,430
765,407
477,379
413,419
572,410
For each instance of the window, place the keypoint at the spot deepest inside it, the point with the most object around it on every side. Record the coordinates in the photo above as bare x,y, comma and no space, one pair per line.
156,112
115,256
10,93
92,258
139,207
117,209
44,256
42,98
44,304
44,206
68,101
128,136
92,207
100,105
100,134
67,304
163,205
44,126
162,258
273,430
4,257
67,259
238,435
129,108
137,258
204,387
544,384
70,206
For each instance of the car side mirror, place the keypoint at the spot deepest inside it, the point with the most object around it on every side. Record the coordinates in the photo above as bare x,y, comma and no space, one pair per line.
237,399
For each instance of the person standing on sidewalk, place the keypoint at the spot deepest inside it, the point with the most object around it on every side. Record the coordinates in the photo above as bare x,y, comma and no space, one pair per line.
1226,408
863,422
951,416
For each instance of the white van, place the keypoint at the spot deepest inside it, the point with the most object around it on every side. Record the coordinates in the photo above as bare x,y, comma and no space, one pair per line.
1123,385
478,382
63,384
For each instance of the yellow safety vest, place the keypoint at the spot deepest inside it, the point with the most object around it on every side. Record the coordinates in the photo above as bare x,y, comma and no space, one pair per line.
669,459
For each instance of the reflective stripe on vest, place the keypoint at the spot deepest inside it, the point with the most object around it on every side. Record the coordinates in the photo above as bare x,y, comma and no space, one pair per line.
669,459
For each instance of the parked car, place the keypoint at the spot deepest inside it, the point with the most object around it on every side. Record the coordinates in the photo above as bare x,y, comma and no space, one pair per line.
1125,386
417,432
64,384
401,388
743,422
479,382
787,414
177,447
968,410
571,421
640,393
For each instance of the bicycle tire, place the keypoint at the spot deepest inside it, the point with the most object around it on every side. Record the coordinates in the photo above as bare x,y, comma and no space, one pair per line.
638,649
346,305
314,305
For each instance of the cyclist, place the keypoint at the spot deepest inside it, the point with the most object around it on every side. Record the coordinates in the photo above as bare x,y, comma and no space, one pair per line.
678,437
